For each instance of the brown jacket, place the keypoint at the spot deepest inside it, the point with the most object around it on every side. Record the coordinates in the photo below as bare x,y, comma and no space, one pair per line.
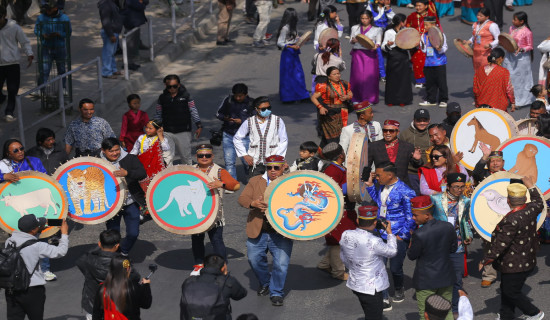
256,218
514,241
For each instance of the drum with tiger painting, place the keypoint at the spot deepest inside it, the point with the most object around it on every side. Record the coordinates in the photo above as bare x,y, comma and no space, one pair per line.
94,193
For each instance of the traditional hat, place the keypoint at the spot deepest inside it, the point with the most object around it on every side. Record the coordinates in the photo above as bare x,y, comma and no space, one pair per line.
437,306
516,190
204,147
456,177
496,154
362,106
332,150
421,114
430,19
421,203
368,212
274,159
393,123
30,222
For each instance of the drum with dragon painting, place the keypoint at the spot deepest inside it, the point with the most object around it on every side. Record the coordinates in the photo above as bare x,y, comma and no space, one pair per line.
356,160
94,194
489,203
35,193
180,201
304,205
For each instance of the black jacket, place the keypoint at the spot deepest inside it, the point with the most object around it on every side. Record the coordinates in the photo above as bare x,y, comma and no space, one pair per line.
431,244
51,161
234,109
110,16
448,127
134,13
136,172
176,116
378,155
139,298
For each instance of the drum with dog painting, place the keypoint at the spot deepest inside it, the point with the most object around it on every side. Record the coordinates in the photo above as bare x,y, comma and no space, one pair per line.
526,156
356,160
489,203
180,201
94,193
481,125
35,193
304,205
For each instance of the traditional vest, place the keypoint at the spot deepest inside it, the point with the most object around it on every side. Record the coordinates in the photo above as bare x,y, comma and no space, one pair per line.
214,172
263,145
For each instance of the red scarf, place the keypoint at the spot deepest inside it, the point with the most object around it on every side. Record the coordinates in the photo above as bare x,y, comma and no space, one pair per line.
152,162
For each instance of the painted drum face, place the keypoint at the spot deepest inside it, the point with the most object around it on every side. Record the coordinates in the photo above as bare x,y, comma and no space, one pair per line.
94,194
489,203
180,201
356,160
304,205
407,38
35,193
527,156
483,125
527,127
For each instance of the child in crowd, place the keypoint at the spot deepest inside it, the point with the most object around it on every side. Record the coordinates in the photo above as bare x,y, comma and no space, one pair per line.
308,159
133,122
540,94
435,67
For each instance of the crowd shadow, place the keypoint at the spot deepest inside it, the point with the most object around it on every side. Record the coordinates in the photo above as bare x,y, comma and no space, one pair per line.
182,259
67,317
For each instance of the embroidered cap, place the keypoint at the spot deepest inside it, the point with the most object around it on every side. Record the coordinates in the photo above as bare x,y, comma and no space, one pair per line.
204,147
456,177
421,203
368,212
274,159
437,306
362,106
496,154
332,150
516,190
393,123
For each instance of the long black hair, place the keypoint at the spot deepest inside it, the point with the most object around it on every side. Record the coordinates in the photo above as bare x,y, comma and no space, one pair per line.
543,124
325,16
485,11
6,149
290,18
522,16
117,287
495,54
368,14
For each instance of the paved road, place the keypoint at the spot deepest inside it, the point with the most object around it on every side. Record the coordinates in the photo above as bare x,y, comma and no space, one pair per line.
209,72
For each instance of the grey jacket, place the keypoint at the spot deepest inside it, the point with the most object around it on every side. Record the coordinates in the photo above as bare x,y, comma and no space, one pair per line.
33,253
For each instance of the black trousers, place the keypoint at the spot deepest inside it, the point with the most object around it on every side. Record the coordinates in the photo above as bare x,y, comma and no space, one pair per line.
29,303
496,7
250,9
19,8
436,80
354,10
11,75
373,305
511,296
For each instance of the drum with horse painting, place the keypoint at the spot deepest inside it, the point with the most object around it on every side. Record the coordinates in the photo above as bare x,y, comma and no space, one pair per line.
527,126
35,193
356,160
304,205
94,193
481,125
489,203
527,156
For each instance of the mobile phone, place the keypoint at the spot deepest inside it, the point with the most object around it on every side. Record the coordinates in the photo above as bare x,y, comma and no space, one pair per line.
55,222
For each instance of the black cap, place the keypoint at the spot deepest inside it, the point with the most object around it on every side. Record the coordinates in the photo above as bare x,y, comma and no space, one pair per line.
332,150
29,222
421,114
456,177
453,107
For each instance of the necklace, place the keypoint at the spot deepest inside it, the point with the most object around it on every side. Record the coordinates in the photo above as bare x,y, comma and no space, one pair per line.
336,91
16,167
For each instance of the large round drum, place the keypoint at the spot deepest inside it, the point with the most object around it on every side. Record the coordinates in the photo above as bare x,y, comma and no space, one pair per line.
365,41
463,48
356,160
304,205
527,156
507,42
35,193
407,38
436,37
527,127
482,125
180,201
304,38
326,34
94,194
489,203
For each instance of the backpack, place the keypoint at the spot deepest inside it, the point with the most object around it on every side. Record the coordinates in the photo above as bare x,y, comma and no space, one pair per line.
14,275
203,300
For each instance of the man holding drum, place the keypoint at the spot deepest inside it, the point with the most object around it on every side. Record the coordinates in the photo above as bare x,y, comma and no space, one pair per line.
364,124
261,235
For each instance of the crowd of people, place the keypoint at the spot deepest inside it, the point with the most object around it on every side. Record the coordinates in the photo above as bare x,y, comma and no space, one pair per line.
419,207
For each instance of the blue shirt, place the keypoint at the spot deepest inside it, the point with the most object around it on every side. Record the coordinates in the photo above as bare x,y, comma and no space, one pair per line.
88,135
29,163
46,25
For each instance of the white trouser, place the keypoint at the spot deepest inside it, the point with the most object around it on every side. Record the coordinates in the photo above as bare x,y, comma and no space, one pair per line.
264,11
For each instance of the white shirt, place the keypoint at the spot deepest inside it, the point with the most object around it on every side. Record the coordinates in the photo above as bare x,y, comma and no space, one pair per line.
349,130
374,33
389,35
243,132
282,41
544,48
465,311
363,254
10,36
493,29
147,142
384,195
322,26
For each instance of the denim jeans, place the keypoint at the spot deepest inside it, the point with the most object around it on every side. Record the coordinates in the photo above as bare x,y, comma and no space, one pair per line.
108,55
45,264
131,220
230,154
396,266
457,259
281,249
216,239
49,55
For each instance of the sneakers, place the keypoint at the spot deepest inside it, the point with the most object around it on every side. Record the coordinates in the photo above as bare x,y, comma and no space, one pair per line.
229,192
49,276
268,36
538,316
399,295
263,291
419,85
197,270
387,305
427,104
10,118
443,104
258,44
277,301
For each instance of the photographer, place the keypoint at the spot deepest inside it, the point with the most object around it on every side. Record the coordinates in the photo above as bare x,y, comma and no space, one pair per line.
363,252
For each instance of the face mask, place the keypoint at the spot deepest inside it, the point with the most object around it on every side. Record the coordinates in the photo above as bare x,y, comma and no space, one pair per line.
266,113
453,118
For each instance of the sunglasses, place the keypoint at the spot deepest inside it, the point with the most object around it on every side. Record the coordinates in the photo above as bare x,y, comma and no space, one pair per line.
276,168
17,150
264,109
207,156
389,130
172,86
436,156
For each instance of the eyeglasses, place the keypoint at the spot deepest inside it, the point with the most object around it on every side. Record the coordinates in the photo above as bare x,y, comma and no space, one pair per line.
172,86
264,109
389,130
436,156
276,168
204,155
17,150
458,187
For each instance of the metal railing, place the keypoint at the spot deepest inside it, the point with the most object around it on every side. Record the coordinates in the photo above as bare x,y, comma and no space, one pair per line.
174,8
125,46
61,99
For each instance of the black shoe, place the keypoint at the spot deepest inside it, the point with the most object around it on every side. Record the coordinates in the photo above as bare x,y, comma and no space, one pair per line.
263,291
229,40
277,301
221,43
133,66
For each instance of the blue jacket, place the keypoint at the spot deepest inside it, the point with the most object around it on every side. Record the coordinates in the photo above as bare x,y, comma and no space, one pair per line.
46,25
398,209
440,213
35,165
234,109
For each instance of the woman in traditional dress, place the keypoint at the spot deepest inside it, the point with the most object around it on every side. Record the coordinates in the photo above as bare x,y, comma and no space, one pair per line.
292,81
518,3
382,13
327,19
434,175
544,48
484,38
334,94
398,83
444,8
492,84
469,10
364,73
330,57
519,62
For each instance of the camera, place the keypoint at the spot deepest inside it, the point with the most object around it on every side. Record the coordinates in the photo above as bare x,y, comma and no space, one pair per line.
216,137
381,223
